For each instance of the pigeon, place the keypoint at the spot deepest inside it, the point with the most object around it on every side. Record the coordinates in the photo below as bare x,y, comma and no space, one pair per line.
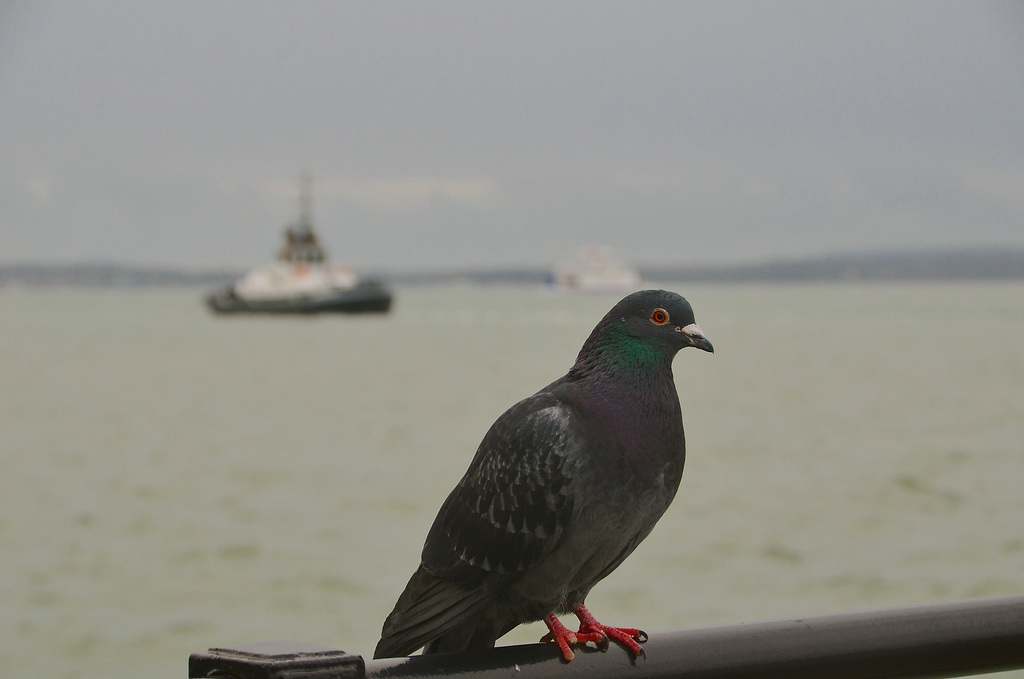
564,486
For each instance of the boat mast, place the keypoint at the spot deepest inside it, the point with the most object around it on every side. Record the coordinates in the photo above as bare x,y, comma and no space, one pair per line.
301,244
306,202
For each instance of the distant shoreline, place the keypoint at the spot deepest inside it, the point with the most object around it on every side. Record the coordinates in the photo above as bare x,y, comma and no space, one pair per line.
956,265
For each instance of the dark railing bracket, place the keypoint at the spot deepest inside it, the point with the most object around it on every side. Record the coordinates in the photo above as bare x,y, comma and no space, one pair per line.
276,660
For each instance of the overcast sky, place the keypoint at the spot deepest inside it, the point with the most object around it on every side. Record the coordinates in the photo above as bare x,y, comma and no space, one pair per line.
446,134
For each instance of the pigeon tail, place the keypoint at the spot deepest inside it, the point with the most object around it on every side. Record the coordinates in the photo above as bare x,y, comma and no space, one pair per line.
429,609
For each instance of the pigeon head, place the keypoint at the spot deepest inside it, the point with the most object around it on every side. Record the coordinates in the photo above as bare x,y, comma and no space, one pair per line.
644,329
659,318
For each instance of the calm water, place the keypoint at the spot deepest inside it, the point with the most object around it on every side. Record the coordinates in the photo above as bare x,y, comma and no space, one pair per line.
171,481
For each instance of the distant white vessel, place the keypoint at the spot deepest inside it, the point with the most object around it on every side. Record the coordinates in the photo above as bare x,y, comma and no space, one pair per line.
301,281
596,270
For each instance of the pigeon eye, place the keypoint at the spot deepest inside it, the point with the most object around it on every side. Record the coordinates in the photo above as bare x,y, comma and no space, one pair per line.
659,316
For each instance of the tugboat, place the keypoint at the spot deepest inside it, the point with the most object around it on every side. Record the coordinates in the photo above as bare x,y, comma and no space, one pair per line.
301,281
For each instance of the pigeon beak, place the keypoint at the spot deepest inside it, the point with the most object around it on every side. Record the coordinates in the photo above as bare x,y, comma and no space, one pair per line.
696,337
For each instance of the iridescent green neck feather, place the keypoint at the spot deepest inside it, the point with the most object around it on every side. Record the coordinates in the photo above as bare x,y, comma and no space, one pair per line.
612,350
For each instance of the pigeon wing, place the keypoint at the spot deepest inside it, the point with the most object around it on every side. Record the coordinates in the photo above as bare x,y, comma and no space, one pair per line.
507,513
511,507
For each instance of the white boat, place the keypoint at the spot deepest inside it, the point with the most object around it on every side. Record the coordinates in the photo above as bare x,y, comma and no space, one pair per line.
302,280
596,270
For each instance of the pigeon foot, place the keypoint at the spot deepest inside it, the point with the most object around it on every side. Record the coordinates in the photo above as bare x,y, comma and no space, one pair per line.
591,630
630,637
561,635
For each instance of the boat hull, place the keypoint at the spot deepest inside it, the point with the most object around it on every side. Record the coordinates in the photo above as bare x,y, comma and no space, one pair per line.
364,298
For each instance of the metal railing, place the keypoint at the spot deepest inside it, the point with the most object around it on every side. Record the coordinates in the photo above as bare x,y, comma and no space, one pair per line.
959,638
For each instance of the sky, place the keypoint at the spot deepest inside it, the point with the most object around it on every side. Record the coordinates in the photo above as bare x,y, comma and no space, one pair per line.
446,135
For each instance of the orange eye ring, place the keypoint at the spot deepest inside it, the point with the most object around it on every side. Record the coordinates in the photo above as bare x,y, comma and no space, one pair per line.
659,316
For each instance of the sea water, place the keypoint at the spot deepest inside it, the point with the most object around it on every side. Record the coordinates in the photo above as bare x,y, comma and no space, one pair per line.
171,480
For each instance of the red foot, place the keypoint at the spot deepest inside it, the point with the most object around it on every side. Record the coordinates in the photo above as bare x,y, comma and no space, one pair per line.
591,630
627,636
